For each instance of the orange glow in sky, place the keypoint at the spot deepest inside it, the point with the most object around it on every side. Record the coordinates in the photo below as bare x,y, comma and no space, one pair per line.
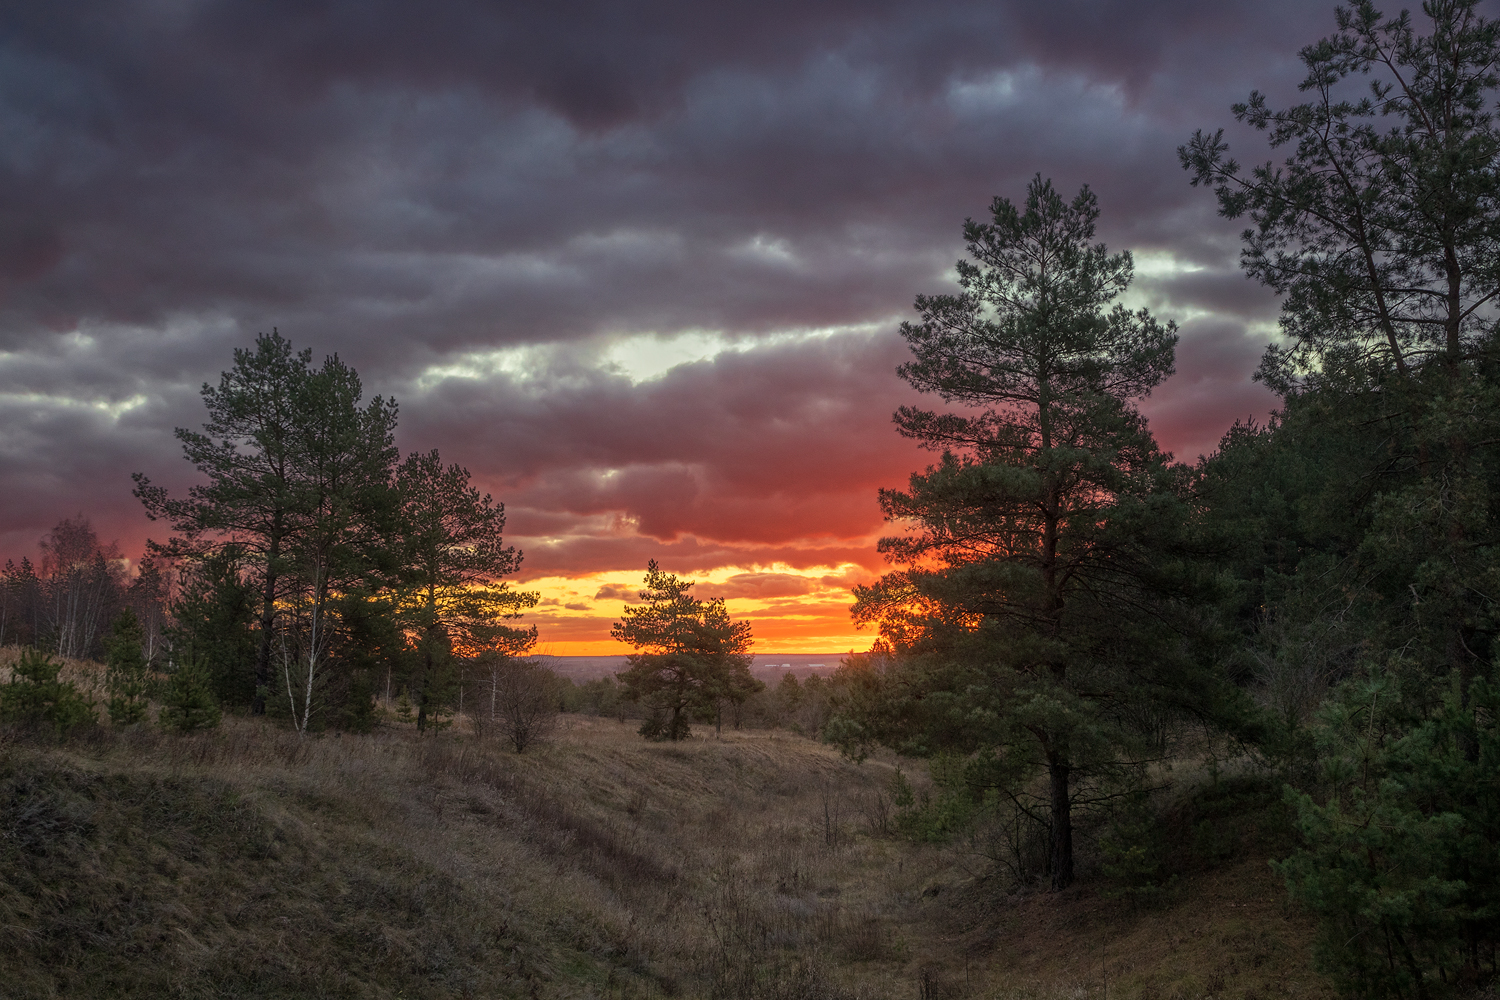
790,611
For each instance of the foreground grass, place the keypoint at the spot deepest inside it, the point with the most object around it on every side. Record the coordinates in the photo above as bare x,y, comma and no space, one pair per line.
247,862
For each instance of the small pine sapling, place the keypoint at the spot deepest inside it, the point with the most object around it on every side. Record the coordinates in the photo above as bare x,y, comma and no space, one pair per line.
125,676
34,695
189,703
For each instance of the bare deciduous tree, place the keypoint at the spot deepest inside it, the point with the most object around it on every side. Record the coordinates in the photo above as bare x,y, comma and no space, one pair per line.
83,582
523,701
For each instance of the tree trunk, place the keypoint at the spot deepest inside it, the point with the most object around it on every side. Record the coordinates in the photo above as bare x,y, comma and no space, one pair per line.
267,622
1062,824
422,688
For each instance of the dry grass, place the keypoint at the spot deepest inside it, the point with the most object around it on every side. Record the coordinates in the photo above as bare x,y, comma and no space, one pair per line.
247,862
86,675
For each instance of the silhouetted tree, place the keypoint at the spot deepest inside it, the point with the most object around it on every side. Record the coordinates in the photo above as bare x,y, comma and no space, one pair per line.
213,622
20,604
345,457
1024,626
523,701
1367,505
454,562
1379,227
278,435
689,654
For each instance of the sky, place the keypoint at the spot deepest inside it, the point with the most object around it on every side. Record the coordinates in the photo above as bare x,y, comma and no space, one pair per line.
639,267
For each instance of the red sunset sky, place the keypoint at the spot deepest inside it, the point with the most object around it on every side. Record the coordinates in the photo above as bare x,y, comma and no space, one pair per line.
638,267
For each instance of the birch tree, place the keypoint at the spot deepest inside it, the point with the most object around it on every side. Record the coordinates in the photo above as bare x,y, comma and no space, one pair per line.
83,581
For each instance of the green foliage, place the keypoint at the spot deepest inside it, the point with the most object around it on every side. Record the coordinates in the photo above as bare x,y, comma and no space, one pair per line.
661,723
453,563
346,566
1365,511
1401,854
214,618
1132,852
364,643
125,669
34,695
297,482
937,816
1378,228
600,696
188,704
1042,614
689,655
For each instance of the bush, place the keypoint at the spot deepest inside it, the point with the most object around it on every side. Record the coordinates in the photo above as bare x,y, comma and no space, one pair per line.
525,703
125,677
1400,859
1130,849
189,703
34,695
660,724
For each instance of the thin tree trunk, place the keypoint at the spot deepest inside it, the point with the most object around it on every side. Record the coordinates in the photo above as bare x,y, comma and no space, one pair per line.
422,689
267,622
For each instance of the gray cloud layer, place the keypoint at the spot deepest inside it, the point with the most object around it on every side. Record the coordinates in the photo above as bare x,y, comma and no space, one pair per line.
418,187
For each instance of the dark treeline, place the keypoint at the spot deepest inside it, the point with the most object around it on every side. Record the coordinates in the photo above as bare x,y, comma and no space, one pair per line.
803,707
311,570
66,603
317,566
1072,611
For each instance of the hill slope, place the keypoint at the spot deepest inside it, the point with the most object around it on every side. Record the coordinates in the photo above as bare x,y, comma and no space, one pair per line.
247,862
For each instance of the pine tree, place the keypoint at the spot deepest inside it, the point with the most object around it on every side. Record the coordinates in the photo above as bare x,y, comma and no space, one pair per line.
281,441
1368,504
188,703
1401,855
125,676
1030,625
454,561
214,618
35,696
689,655
1379,226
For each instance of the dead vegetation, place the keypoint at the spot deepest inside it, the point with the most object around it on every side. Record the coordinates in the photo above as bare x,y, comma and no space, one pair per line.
761,866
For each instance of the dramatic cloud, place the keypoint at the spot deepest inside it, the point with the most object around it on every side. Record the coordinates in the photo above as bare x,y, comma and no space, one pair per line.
639,267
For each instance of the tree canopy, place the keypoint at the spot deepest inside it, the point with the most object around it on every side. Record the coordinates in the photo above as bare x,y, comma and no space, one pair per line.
454,563
1029,616
690,655
345,547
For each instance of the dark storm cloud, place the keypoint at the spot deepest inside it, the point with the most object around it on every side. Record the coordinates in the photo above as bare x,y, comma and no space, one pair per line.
418,186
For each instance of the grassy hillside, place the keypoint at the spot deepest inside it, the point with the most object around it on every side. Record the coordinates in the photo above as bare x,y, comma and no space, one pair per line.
247,862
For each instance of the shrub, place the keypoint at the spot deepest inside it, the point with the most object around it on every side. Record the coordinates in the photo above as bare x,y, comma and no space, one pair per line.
1130,849
525,700
34,695
125,677
189,703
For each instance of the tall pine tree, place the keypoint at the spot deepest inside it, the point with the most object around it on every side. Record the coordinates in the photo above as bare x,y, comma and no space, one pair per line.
454,563
1029,624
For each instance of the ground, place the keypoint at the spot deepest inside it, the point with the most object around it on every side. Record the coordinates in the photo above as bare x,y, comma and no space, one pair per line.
249,862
